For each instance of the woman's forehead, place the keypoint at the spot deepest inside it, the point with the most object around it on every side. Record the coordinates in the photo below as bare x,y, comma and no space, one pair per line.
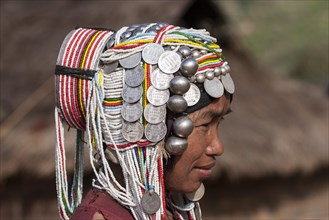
217,108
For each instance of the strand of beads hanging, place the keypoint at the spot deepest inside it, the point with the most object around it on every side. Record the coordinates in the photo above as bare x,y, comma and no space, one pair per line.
164,67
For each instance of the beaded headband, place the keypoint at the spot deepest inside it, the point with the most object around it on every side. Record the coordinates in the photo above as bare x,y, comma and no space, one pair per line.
120,89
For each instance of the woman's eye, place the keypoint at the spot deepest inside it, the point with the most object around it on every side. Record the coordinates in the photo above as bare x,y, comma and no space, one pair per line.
205,126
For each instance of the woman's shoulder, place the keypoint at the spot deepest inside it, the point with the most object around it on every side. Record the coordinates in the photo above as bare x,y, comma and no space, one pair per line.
97,204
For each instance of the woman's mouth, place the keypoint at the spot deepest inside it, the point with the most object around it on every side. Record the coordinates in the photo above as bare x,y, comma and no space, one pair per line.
205,170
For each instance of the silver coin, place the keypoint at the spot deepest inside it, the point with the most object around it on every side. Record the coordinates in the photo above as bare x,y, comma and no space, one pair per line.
155,114
160,80
131,112
150,202
155,132
214,87
157,97
152,52
228,83
110,67
132,94
197,195
169,62
132,131
131,61
135,76
192,96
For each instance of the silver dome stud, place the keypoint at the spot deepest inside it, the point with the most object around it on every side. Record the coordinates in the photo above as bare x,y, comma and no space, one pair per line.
196,54
177,103
217,71
183,126
175,145
179,85
200,78
210,74
185,51
189,67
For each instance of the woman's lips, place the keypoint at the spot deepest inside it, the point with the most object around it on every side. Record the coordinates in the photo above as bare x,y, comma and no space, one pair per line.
205,170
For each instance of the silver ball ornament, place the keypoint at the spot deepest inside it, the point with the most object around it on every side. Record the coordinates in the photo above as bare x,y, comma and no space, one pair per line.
175,145
210,75
200,78
203,51
183,126
177,103
196,54
189,66
228,68
192,79
179,85
217,71
223,69
185,51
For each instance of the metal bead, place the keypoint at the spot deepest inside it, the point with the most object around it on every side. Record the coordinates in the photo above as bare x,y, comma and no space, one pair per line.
217,71
175,145
228,68
185,51
200,78
196,54
189,67
179,85
177,103
172,47
183,126
203,51
223,68
192,79
210,75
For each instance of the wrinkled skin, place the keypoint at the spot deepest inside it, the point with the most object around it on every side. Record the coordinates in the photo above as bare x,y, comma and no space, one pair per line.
185,173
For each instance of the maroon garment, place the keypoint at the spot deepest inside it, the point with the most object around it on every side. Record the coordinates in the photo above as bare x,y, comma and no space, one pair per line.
99,201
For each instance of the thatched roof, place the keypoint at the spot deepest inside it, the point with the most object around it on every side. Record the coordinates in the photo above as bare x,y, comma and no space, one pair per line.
278,125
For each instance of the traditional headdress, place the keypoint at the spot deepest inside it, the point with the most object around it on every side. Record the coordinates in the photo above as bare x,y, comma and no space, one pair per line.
127,93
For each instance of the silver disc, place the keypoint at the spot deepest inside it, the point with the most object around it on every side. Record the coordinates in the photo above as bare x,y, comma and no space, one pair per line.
192,96
150,202
228,83
132,131
214,87
152,52
197,195
135,76
110,67
169,62
155,132
155,114
132,94
157,97
160,80
131,61
131,112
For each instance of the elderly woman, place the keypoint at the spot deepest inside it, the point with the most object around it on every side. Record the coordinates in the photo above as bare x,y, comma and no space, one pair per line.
146,101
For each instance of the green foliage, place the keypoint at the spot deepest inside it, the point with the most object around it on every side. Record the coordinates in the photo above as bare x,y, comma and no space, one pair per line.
290,36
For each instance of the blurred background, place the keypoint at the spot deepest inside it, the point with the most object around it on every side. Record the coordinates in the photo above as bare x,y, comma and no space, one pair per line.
275,164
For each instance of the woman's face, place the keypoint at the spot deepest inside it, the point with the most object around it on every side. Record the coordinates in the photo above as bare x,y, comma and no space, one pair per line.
185,173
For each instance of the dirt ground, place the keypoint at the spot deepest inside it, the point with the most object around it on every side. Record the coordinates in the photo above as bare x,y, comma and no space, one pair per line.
312,207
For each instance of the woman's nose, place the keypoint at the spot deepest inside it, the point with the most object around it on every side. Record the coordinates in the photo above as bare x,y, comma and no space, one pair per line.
215,147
